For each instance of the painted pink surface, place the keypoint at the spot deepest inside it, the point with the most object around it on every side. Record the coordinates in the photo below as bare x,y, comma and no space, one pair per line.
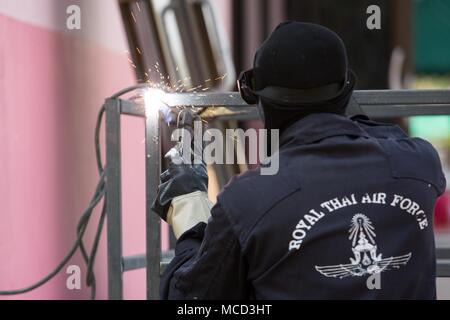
51,87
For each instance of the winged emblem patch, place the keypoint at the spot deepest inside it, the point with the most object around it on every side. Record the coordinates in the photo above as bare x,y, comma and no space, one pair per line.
366,261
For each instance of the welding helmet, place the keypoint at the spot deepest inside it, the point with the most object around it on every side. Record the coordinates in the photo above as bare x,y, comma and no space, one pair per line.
300,67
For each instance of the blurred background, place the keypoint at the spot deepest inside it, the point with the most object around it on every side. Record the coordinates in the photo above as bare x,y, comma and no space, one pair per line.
55,76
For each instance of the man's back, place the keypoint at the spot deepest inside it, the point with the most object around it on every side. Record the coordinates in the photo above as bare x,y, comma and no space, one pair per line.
349,215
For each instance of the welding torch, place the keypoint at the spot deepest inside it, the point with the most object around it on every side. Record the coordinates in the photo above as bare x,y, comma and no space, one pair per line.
182,198
187,149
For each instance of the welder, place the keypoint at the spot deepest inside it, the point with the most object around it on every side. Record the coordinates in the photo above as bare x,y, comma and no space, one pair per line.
349,215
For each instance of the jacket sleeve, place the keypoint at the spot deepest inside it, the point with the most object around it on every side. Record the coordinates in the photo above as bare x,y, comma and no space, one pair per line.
208,263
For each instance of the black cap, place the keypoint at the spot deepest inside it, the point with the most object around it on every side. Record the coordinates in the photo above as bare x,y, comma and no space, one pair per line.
302,64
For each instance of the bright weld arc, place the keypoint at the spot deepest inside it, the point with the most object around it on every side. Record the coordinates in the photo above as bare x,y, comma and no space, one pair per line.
154,102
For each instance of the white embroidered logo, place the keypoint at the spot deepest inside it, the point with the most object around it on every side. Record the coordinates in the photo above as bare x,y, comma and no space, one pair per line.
366,260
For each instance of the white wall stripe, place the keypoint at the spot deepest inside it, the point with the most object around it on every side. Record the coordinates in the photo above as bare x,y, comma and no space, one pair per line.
101,21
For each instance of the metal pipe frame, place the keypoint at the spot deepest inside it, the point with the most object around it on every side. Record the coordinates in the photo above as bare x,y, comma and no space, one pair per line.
373,103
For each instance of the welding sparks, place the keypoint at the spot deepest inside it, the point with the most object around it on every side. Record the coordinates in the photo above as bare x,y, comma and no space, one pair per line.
154,99
195,88
221,77
155,95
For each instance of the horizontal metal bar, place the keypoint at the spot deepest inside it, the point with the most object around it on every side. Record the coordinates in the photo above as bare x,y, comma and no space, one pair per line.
374,103
133,108
139,261
363,97
134,262
210,99
443,268
401,97
372,111
443,253
167,256
232,113
402,110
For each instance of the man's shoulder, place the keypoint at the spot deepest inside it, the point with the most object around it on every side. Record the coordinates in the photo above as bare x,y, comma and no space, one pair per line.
408,157
414,158
380,130
401,148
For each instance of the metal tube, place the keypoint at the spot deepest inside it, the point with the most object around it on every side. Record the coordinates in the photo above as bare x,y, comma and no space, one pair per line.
134,262
153,222
113,199
374,103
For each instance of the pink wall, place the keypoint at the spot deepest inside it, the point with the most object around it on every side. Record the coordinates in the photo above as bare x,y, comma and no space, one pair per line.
51,86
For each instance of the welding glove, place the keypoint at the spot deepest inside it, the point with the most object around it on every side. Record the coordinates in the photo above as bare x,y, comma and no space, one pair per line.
182,199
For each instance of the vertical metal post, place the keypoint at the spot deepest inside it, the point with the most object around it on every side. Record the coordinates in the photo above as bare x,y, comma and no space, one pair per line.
153,227
113,198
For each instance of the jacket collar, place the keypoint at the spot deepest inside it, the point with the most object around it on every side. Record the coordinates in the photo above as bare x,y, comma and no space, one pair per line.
318,126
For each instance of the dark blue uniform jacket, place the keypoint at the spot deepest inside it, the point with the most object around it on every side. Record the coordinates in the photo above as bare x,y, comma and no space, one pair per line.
349,215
